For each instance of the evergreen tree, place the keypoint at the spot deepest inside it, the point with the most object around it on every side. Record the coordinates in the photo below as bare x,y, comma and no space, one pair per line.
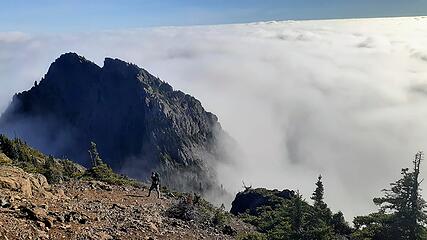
405,202
317,196
297,215
7,146
401,214
321,210
94,155
340,225
102,171
319,218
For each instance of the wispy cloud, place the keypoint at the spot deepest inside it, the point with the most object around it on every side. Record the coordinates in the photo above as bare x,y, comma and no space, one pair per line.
342,98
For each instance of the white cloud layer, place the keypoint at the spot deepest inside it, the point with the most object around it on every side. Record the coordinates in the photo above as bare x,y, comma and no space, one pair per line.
344,98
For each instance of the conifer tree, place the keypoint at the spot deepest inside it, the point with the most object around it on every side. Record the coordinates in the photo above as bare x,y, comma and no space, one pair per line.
317,196
340,225
321,210
297,214
319,219
94,155
404,203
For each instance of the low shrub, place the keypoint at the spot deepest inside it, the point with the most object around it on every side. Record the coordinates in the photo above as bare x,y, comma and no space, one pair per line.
104,173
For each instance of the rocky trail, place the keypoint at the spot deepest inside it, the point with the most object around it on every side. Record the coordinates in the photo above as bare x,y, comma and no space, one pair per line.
30,208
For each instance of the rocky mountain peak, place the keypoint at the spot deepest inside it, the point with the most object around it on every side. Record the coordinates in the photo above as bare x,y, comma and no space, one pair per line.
70,57
120,67
68,71
71,61
139,122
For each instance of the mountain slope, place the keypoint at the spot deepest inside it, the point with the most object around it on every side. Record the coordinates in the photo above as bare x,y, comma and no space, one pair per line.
138,121
46,198
95,210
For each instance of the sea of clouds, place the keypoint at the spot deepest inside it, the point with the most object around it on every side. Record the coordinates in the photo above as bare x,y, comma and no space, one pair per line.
343,98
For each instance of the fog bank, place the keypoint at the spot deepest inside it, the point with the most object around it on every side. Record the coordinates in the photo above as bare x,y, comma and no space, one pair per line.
343,98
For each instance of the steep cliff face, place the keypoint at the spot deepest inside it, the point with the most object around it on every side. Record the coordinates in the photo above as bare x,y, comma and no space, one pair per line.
138,121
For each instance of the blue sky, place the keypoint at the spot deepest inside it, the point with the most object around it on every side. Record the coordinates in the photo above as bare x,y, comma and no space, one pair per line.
85,15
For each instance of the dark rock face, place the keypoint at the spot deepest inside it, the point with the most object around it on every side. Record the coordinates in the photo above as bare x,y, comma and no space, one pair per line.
250,200
138,121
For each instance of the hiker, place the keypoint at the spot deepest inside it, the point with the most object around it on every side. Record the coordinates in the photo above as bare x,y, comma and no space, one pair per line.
155,184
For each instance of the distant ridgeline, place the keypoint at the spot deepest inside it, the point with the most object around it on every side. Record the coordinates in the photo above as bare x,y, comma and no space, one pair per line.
138,122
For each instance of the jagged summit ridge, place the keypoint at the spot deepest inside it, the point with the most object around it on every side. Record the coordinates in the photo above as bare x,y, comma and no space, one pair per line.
138,121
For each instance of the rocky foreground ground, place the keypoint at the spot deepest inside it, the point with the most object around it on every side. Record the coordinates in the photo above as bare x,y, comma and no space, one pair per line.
30,208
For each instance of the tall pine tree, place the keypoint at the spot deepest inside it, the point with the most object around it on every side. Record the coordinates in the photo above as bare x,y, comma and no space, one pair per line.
401,215
94,155
321,216
320,207
317,196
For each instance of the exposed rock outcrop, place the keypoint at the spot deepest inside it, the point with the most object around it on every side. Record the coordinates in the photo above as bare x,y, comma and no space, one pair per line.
249,200
15,179
4,159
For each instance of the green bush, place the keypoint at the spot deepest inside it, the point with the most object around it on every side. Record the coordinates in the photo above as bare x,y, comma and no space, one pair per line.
53,171
221,218
33,161
184,211
71,170
104,173
191,207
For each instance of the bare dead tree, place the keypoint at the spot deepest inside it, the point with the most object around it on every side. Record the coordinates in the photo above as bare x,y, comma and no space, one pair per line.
246,187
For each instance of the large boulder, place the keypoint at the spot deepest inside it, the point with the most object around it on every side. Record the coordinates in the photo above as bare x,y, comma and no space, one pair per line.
16,179
4,159
249,200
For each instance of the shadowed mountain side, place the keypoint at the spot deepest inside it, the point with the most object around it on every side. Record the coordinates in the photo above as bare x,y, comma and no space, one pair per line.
138,121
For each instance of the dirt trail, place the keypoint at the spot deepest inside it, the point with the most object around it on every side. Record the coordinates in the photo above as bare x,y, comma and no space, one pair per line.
94,210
